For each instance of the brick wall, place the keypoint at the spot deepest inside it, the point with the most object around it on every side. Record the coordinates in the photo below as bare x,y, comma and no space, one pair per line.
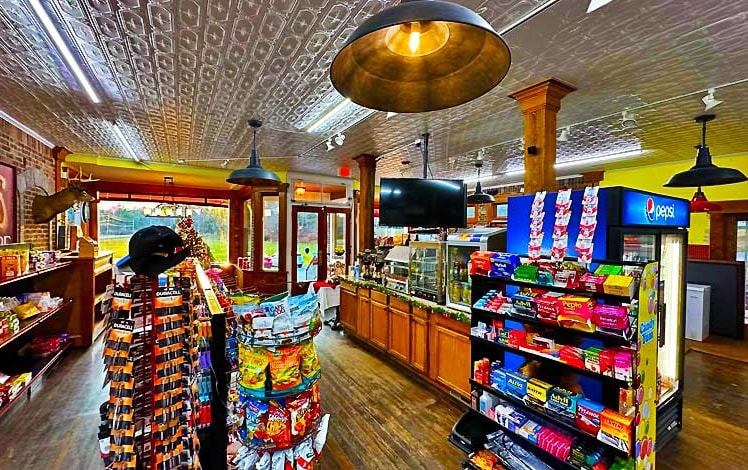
21,151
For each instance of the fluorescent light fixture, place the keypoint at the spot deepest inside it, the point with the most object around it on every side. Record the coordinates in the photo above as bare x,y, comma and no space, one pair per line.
5,116
597,4
328,115
121,137
586,161
67,55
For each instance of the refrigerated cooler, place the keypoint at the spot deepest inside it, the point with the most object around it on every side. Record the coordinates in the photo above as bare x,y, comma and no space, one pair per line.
426,270
460,245
635,226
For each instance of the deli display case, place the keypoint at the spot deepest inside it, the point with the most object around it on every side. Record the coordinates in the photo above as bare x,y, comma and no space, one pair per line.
396,269
460,245
426,274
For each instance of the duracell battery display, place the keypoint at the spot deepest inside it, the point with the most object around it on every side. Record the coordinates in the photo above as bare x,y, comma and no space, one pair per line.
148,422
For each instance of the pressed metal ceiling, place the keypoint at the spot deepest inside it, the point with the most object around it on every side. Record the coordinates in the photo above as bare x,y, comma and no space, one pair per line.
183,77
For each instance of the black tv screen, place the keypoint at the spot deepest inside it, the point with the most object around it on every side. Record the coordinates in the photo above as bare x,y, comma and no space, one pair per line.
413,202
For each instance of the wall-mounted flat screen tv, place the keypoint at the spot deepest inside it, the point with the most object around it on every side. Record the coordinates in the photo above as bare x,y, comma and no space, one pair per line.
413,202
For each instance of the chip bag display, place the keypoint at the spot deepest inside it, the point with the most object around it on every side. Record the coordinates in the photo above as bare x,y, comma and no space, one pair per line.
285,370
253,363
310,367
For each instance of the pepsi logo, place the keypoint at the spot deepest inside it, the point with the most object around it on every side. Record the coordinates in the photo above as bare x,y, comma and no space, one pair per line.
657,212
650,209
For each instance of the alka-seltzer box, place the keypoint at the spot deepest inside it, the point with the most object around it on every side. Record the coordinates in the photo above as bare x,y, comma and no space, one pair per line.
537,392
588,416
516,384
563,403
615,430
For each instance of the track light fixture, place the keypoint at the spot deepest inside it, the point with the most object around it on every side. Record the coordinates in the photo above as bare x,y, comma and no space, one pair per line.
225,163
330,146
628,120
340,138
564,136
710,102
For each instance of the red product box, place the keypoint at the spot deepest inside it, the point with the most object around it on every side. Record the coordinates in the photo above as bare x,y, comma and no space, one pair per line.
549,306
480,262
607,362
573,356
592,283
517,338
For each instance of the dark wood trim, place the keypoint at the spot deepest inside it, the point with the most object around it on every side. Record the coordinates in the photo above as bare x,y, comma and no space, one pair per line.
367,165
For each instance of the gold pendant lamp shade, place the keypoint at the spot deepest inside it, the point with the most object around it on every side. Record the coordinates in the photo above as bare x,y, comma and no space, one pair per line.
421,55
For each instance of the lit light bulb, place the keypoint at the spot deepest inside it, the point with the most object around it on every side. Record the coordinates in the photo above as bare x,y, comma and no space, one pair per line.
415,37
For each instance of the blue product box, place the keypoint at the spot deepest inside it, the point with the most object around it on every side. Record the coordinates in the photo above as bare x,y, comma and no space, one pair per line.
503,264
516,384
498,380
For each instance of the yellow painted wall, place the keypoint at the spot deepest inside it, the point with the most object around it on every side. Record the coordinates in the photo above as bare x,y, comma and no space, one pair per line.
652,177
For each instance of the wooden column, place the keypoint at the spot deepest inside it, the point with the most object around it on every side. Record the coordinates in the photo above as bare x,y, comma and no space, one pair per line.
367,165
539,104
237,242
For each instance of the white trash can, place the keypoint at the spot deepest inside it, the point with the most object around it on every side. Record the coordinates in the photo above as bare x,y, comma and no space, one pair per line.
697,311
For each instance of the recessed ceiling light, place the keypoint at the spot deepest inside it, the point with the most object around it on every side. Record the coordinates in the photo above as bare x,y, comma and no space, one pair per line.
597,4
327,116
710,102
62,46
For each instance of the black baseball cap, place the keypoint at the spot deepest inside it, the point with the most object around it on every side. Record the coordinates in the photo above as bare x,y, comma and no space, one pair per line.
153,250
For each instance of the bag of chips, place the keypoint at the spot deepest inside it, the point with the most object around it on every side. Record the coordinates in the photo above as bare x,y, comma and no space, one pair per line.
304,455
309,362
285,370
321,437
300,409
255,417
253,363
277,429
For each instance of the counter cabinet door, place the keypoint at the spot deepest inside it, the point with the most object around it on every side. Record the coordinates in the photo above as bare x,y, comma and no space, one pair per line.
399,329
363,317
379,324
419,339
449,354
348,309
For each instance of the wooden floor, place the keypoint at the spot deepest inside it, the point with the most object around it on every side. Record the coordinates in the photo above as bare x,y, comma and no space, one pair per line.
381,418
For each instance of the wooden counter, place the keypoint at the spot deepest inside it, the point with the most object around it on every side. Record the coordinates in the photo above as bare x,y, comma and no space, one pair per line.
412,331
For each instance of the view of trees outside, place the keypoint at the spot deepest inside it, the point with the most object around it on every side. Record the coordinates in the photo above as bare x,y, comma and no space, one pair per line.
270,228
118,220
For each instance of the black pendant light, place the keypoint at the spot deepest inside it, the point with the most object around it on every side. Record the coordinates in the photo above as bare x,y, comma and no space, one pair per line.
479,197
704,172
418,56
254,174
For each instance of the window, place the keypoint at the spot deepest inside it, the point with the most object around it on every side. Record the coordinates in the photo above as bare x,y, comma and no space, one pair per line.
270,230
118,220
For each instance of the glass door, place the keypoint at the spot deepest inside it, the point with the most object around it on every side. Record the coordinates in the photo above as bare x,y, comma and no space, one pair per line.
458,276
321,244
639,247
741,254
670,354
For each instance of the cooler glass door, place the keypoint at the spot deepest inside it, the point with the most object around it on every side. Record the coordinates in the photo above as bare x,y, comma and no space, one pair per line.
672,314
458,275
639,247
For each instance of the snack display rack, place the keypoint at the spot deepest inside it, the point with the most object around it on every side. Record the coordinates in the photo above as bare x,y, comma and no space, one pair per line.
274,411
158,368
546,384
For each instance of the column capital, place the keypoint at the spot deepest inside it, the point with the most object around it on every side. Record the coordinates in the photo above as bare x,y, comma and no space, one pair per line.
546,94
366,160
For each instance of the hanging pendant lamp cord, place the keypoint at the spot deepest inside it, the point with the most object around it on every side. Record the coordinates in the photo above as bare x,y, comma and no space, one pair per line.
703,134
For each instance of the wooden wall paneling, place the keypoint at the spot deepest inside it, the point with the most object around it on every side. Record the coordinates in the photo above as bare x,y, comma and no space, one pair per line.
379,323
237,241
449,353
363,314
399,330
348,307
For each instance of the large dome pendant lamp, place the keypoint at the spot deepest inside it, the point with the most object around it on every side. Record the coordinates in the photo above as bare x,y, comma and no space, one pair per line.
704,172
418,56
699,203
254,174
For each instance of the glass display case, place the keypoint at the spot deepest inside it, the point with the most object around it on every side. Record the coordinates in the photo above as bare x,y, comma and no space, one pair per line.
396,269
460,245
426,276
